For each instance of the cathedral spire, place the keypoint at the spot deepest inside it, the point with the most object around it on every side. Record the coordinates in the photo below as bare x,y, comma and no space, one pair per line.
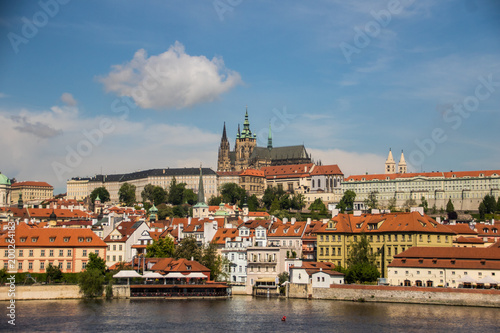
402,167
269,138
201,191
224,136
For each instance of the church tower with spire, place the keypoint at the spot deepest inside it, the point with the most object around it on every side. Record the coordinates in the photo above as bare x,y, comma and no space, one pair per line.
245,143
390,164
223,161
269,138
402,168
200,210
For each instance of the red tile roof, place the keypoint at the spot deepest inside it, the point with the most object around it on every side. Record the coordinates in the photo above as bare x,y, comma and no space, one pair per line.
380,223
326,170
287,230
451,174
53,237
448,257
252,172
30,183
258,214
287,171
469,240
461,229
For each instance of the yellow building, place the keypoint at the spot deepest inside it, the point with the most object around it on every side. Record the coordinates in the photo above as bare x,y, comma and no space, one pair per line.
388,234
31,191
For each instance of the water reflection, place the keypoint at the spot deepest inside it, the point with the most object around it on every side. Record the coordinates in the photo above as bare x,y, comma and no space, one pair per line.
246,314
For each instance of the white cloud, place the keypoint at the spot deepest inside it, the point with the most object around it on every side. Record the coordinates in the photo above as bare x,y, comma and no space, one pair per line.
2,95
36,141
350,163
172,79
68,99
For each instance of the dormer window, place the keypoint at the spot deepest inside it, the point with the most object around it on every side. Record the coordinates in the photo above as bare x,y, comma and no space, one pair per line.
23,239
34,239
66,239
51,239
89,239
80,239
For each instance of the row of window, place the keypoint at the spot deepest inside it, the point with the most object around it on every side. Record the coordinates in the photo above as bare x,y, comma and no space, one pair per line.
53,239
51,252
43,265
441,273
114,258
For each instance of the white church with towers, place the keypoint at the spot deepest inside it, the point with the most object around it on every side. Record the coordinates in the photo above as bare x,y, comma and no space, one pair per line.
390,164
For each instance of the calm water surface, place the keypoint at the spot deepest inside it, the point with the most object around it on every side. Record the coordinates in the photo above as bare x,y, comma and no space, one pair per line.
246,314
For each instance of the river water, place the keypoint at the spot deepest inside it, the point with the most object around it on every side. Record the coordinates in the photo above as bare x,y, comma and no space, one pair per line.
246,314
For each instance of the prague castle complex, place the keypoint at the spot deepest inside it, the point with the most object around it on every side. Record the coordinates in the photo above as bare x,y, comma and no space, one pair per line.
247,155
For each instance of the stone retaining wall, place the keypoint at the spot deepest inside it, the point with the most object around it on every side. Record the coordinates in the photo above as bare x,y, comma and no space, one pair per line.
55,292
421,295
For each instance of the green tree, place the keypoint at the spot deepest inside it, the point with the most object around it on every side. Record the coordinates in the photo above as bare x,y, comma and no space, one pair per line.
147,193
180,211
371,201
164,210
270,194
298,201
91,282
347,201
162,248
214,200
96,262
281,214
176,192
232,193
449,206
53,274
188,248
285,202
159,195
275,206
101,192
489,204
482,211
498,205
283,277
215,262
361,262
189,196
318,206
450,210
126,194
253,203
424,204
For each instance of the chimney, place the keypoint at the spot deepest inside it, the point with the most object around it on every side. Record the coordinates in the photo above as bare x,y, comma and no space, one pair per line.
293,220
326,220
375,211
438,219
308,220
192,258
356,213
189,220
245,218
285,220
335,212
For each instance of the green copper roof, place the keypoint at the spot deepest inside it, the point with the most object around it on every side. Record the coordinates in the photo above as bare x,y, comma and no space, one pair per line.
4,180
153,209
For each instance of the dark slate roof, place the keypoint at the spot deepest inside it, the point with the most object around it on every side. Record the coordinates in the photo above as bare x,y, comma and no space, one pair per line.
150,173
280,153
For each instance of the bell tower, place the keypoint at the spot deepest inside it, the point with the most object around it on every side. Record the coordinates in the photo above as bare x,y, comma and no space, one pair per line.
390,164
223,161
245,143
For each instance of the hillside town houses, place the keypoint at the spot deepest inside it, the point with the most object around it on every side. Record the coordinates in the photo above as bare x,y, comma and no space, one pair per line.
411,247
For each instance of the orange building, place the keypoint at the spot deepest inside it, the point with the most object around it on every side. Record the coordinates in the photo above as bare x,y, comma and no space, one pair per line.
36,248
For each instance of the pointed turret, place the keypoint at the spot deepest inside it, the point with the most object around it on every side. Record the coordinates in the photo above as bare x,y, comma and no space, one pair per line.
200,210
224,136
223,161
269,138
402,168
390,164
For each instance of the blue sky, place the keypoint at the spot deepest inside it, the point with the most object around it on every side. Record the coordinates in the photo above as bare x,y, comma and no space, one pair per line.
118,86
